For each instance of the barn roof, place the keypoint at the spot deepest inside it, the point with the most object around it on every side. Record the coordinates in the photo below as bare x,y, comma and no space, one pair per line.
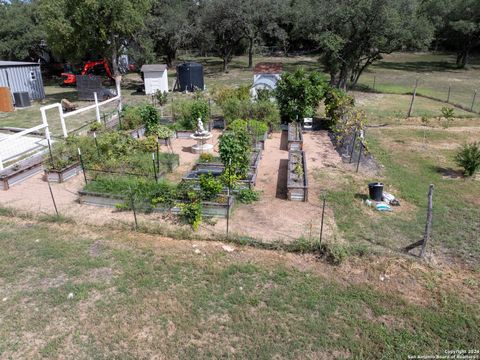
153,67
4,63
268,68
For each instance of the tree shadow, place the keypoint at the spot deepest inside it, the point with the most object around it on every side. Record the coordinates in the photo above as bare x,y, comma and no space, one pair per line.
360,196
417,66
281,192
284,141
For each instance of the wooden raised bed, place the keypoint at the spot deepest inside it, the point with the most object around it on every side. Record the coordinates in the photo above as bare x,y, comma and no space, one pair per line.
22,171
63,174
297,186
295,137
209,208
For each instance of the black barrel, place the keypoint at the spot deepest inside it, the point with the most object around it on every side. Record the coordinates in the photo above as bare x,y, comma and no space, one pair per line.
190,76
375,190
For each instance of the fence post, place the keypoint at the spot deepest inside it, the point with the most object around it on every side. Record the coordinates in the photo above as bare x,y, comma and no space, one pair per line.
119,93
473,100
62,121
413,98
449,90
323,213
97,108
83,166
374,81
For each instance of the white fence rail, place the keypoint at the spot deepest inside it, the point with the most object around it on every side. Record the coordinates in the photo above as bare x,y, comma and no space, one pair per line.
23,144
97,106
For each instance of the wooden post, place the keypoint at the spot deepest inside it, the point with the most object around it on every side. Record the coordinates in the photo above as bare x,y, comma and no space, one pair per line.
473,100
413,98
449,90
374,81
428,225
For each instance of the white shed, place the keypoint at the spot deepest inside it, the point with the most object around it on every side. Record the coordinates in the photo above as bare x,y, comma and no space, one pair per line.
155,78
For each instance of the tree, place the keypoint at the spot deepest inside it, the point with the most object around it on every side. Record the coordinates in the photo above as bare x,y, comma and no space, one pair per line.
223,19
458,25
170,26
355,33
298,94
21,31
80,28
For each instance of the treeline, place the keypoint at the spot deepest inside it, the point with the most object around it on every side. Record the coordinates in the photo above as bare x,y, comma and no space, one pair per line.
348,35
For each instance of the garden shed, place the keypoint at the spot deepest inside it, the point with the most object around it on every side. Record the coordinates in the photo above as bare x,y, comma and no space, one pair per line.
22,77
266,76
155,78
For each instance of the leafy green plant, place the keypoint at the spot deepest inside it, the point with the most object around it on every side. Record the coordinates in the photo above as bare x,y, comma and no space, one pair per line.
223,94
162,97
150,117
247,196
298,94
131,117
206,158
210,186
469,158
448,114
161,131
191,213
189,111
264,94
337,105
95,126
235,151
255,128
298,170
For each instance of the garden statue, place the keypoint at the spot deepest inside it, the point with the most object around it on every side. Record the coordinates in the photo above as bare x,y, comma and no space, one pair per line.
202,136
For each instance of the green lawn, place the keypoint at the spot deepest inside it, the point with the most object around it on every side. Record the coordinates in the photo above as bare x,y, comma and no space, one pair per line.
435,71
137,297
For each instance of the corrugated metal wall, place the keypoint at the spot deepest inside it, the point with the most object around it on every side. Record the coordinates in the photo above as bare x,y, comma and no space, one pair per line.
24,78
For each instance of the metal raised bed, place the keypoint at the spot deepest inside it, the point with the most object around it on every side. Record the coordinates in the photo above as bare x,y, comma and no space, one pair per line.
297,187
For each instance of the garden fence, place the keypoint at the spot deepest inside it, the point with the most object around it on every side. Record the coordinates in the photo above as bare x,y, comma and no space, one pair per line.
464,95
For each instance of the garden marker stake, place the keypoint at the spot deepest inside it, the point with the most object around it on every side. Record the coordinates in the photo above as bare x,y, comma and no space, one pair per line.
83,167
96,143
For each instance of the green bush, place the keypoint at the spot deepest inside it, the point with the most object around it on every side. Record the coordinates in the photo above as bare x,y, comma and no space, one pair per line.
210,186
150,117
206,158
223,94
162,97
255,128
191,213
131,117
469,158
247,196
267,112
188,111
161,131
264,94
337,104
299,94
235,151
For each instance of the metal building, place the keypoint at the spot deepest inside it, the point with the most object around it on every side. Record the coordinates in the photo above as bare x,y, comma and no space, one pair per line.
22,77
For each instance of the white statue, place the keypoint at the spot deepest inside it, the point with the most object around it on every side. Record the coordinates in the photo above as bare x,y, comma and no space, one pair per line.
200,128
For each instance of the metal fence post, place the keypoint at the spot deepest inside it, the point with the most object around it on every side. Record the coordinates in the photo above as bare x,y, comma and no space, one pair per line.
473,100
413,98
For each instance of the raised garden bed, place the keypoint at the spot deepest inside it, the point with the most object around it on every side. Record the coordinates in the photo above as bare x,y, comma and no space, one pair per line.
184,134
254,163
297,179
209,208
248,183
295,137
63,174
22,171
260,144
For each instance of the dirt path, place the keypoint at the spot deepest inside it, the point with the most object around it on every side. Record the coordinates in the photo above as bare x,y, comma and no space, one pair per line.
274,217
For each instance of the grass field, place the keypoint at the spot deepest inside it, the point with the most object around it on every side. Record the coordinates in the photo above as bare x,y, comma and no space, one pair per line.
135,296
436,72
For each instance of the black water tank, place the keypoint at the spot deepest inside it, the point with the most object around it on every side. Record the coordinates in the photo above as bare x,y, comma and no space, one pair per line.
22,99
190,76
375,190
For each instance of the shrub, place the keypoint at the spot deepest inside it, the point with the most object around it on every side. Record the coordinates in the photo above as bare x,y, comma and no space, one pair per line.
298,94
264,94
131,117
337,104
95,126
189,112
448,114
206,158
150,117
254,127
266,111
210,186
191,213
236,109
162,97
223,94
161,131
469,158
235,151
247,196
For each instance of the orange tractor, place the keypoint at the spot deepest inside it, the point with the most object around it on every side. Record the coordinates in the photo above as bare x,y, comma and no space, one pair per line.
97,68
